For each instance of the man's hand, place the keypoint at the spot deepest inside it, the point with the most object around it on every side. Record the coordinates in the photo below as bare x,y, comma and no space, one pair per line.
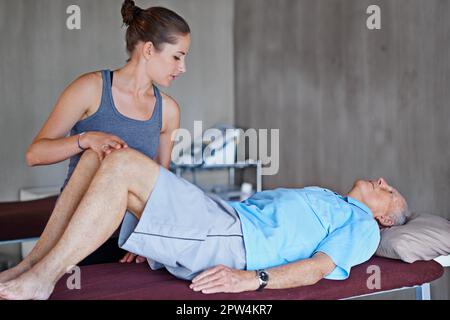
131,257
223,279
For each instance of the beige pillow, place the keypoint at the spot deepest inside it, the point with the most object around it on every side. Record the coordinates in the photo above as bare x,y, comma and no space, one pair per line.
423,237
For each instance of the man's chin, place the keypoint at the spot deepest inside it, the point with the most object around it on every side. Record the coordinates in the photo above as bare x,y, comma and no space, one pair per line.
360,184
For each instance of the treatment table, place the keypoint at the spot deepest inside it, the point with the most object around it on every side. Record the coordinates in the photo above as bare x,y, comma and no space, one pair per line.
20,221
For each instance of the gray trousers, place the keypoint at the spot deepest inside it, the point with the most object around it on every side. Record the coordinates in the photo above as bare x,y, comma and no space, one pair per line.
184,230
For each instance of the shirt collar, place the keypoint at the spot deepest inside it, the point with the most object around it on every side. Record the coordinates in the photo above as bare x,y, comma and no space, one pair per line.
360,205
354,202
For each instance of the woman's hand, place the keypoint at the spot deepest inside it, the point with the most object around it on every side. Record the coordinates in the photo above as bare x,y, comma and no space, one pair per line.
131,257
102,143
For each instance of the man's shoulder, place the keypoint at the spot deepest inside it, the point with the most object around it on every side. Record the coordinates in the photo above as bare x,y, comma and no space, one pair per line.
306,190
319,191
308,194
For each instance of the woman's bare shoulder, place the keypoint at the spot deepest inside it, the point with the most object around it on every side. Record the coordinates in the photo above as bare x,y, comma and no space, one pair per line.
86,90
171,111
170,106
89,82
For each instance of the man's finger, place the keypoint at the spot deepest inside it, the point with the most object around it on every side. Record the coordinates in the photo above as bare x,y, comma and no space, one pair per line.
207,279
211,277
206,274
124,259
140,259
131,258
208,285
216,289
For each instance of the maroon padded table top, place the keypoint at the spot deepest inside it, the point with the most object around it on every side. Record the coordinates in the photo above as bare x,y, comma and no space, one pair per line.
117,281
27,219
138,282
23,220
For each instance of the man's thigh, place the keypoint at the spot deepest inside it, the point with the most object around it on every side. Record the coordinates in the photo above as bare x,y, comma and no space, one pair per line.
140,174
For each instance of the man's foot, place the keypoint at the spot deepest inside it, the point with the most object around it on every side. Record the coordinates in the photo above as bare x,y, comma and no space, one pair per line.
28,286
13,273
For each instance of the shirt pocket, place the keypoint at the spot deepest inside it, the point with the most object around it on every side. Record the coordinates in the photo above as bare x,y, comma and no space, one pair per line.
326,207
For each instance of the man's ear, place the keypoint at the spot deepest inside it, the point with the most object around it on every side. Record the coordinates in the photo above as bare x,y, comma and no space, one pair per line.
385,221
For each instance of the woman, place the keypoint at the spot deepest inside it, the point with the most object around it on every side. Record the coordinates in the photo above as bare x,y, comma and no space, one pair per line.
109,110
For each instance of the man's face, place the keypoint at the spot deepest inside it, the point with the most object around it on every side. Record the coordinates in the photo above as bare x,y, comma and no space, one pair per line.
382,198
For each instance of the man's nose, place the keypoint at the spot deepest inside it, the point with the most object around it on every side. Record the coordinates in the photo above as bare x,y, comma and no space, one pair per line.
382,182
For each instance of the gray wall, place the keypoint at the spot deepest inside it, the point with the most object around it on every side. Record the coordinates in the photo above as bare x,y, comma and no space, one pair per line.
40,57
351,103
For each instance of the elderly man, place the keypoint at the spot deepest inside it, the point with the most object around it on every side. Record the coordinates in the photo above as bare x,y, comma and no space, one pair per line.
276,239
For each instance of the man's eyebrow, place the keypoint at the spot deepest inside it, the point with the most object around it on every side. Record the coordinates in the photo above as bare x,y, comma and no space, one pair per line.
183,53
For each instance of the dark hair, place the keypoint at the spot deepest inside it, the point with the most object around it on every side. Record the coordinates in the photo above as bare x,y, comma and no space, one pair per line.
156,24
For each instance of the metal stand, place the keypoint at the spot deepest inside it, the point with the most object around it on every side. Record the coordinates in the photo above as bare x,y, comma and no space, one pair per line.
179,170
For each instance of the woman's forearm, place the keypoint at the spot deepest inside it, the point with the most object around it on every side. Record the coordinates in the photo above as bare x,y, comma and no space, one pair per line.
49,151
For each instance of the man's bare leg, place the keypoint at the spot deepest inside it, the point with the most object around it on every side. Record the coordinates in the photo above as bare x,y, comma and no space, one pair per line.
125,180
62,213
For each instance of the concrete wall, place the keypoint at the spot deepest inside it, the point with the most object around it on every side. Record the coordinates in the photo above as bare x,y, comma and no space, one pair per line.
40,57
351,103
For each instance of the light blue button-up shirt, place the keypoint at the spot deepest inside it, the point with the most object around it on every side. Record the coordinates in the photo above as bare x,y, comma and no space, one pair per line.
287,225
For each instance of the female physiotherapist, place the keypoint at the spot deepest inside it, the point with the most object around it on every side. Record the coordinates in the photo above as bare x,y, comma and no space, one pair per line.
111,110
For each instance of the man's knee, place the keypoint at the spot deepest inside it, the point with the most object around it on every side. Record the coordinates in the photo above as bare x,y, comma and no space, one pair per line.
122,156
128,158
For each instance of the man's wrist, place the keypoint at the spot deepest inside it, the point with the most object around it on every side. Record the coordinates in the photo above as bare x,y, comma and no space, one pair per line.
254,281
251,282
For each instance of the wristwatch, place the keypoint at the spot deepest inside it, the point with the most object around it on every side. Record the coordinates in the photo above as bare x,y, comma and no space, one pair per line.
263,278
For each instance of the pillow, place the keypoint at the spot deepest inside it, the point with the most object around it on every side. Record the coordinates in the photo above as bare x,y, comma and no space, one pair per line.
423,237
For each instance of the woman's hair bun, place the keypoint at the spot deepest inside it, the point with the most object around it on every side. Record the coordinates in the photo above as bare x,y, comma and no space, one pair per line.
129,12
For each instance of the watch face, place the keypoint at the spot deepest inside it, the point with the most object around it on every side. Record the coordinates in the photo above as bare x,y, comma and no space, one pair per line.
264,276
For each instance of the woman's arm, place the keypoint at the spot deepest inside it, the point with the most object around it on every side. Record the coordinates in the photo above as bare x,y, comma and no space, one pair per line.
171,123
50,145
301,273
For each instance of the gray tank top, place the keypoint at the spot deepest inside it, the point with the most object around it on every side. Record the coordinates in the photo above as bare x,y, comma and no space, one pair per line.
139,135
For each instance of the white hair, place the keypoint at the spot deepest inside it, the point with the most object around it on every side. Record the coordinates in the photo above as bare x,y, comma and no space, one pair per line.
400,216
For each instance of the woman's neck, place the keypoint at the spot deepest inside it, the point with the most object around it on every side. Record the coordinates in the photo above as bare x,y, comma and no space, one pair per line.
133,78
